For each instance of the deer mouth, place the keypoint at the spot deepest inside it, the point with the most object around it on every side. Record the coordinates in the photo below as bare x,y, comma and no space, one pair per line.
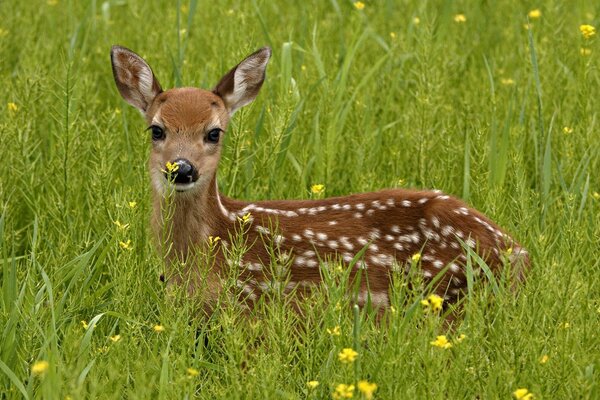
184,187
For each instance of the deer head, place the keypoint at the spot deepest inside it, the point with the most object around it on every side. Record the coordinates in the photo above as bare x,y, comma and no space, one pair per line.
187,124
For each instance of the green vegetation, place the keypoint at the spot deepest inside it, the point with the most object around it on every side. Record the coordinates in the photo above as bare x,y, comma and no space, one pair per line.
397,94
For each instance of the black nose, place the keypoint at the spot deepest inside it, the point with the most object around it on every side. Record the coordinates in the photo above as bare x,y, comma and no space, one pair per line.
184,172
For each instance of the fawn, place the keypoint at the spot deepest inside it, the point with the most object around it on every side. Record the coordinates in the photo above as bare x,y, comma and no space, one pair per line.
187,127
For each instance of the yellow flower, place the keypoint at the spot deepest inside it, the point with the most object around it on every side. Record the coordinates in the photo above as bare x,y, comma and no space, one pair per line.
393,35
343,391
585,51
12,107
460,338
534,14
84,324
416,257
347,355
120,226
171,167
436,302
245,219
522,394
442,342
126,245
596,196
336,331
416,20
39,367
317,189
567,130
507,81
212,240
544,359
366,388
460,18
312,384
528,26
117,110
359,5
158,328
192,372
115,338
564,325
588,31
132,204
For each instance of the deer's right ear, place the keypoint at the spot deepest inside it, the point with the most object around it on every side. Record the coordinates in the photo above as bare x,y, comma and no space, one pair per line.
134,78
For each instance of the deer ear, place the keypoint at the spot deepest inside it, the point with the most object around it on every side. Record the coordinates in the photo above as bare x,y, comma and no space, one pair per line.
241,85
134,78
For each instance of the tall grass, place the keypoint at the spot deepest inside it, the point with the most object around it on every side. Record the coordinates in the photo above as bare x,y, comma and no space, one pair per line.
393,95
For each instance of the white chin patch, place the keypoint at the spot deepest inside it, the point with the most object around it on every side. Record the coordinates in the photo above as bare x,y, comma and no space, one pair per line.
184,187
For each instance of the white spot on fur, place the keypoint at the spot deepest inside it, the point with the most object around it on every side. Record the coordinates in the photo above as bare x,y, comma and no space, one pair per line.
370,212
309,233
262,229
406,203
395,229
435,221
359,206
296,237
346,207
332,223
398,247
423,200
389,238
390,202
357,215
333,244
321,236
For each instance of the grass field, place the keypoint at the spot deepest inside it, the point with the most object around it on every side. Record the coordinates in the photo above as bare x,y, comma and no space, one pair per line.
461,96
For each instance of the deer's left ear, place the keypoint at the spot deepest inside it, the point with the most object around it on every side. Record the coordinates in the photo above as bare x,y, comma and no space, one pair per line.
241,85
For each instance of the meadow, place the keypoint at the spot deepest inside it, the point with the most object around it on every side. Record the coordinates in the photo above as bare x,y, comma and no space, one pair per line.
493,102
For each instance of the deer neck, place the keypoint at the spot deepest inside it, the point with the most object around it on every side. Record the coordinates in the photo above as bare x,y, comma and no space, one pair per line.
186,220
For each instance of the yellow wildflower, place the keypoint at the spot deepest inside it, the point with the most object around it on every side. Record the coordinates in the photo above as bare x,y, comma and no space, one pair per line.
584,51
12,107
312,384
120,226
117,110
84,324
171,167
132,204
212,240
436,302
366,388
126,245
522,394
460,18
416,20
565,325
393,35
317,189
596,196
528,26
393,309
158,328
460,338
534,14
192,372
336,331
347,355
416,257
442,342
359,5
245,219
343,391
544,359
115,338
39,367
588,31
507,81
567,129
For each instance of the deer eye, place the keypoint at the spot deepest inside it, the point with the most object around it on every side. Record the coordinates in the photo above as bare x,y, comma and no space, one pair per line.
213,136
158,133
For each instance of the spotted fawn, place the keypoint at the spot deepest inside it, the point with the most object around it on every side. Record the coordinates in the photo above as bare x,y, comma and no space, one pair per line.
187,126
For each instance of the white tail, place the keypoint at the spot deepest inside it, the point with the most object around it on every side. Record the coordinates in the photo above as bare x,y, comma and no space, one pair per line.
393,225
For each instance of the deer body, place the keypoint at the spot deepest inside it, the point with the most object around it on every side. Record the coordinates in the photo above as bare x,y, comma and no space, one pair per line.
391,225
